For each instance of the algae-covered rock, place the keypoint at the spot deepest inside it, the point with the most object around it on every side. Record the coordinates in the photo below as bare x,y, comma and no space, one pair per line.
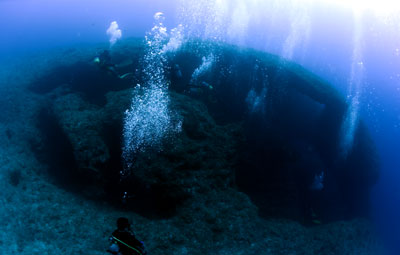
82,123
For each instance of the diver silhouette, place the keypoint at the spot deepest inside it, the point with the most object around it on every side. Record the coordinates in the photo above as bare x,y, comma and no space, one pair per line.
123,241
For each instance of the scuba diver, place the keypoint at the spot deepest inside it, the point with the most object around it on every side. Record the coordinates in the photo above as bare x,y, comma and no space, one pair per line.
103,61
201,90
310,174
123,241
314,192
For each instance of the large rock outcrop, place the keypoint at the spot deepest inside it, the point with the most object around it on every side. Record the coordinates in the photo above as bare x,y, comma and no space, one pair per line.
250,120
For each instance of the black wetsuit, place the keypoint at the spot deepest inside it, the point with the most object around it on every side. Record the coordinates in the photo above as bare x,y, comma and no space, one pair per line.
106,64
127,243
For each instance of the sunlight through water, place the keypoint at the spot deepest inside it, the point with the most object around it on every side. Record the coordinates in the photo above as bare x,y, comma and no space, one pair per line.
233,21
382,7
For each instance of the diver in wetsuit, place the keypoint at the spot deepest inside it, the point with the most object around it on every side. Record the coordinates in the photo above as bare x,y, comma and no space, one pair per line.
202,90
103,61
124,241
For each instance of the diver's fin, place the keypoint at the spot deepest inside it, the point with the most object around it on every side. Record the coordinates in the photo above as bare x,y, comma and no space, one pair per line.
124,76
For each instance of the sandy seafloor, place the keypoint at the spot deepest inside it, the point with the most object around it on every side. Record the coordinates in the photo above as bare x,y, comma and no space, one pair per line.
39,217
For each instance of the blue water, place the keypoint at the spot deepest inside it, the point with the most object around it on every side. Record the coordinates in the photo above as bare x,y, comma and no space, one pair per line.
357,50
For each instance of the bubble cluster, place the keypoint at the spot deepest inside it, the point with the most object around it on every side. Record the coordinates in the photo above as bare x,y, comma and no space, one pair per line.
351,118
176,40
149,120
205,66
256,100
114,33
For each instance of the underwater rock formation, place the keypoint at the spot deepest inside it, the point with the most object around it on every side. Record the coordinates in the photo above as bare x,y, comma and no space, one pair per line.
292,127
197,161
201,158
251,122
80,121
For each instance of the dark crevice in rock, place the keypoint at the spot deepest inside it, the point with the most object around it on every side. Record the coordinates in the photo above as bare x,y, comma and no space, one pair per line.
55,150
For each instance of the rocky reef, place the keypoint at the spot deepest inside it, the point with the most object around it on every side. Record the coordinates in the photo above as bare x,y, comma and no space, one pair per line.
256,130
